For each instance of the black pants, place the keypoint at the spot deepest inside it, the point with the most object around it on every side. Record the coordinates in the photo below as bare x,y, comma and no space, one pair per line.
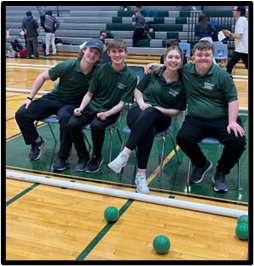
194,130
40,109
75,125
234,60
138,34
144,125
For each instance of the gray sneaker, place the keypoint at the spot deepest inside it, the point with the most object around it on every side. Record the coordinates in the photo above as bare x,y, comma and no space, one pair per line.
36,147
199,172
82,163
220,184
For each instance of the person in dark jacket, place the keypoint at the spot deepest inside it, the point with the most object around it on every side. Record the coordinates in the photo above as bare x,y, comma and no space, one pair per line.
22,27
105,57
50,27
32,31
204,29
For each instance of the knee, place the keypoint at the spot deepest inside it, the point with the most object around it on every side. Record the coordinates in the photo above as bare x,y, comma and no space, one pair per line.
65,118
97,126
239,144
20,114
182,138
71,124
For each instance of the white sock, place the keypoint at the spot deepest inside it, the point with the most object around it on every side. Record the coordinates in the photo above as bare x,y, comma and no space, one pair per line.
124,153
38,139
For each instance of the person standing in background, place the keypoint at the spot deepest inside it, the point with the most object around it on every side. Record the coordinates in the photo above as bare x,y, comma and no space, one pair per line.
139,23
241,38
32,32
50,27
105,57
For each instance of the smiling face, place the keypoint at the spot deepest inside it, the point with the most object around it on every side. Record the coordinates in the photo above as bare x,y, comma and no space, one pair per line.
203,60
173,60
117,55
91,55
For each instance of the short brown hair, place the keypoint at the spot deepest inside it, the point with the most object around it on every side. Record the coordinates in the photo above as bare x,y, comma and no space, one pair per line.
172,42
137,10
203,45
117,43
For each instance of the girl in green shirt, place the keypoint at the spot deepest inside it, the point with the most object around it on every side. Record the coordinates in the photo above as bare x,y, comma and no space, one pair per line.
159,96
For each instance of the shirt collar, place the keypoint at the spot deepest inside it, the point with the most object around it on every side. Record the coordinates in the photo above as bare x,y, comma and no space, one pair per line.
209,72
174,83
117,72
78,69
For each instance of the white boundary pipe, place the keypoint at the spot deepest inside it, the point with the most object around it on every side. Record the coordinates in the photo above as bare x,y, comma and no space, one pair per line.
129,195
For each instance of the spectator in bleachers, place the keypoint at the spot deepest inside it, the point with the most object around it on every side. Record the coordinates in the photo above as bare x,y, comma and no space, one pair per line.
204,29
139,23
241,38
50,27
105,57
75,76
173,42
22,27
32,31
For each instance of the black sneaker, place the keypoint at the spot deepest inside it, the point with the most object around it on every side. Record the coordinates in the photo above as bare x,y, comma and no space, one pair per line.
220,183
94,165
82,163
35,152
199,172
61,164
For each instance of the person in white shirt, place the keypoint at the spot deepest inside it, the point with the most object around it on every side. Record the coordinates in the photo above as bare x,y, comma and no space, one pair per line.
241,38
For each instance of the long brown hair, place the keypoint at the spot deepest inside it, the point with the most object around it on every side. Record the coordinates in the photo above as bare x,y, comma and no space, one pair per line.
203,22
177,48
81,54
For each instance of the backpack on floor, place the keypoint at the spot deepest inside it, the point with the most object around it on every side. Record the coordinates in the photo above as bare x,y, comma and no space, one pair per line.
22,53
16,45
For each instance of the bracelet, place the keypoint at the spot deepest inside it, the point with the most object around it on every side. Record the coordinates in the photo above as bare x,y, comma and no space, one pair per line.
29,98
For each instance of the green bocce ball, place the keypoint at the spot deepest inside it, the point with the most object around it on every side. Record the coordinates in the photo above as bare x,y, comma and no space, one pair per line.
161,244
242,231
111,214
242,219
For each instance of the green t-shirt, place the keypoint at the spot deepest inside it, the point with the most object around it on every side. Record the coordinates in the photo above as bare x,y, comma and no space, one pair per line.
109,87
73,83
157,92
208,95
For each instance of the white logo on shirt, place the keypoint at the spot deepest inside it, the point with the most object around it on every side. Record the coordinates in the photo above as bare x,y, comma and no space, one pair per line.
173,92
121,86
208,86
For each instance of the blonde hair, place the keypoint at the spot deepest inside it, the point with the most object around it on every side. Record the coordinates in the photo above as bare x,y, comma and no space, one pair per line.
81,54
177,48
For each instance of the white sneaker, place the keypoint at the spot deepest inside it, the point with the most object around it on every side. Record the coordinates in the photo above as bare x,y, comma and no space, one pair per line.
119,162
141,183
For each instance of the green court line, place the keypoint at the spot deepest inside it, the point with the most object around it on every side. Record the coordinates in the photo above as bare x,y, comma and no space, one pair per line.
10,119
21,194
102,233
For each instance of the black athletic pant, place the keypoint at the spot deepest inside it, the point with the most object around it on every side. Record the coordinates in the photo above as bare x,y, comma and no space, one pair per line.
75,125
40,109
138,34
234,60
144,125
194,130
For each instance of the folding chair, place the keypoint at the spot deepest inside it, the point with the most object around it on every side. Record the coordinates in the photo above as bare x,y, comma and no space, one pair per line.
221,54
109,128
167,132
139,70
214,142
185,46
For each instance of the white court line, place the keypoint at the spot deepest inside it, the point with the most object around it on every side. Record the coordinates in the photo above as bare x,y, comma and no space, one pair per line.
32,65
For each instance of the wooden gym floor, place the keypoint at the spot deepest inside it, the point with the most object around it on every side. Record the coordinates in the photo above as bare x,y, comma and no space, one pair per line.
51,223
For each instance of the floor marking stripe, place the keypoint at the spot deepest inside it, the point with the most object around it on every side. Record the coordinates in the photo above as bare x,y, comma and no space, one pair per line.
156,171
102,233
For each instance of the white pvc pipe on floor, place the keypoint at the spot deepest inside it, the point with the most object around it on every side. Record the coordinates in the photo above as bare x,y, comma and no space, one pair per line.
130,195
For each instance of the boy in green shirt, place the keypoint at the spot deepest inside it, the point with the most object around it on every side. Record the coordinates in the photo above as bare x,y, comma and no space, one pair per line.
112,85
75,76
212,112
